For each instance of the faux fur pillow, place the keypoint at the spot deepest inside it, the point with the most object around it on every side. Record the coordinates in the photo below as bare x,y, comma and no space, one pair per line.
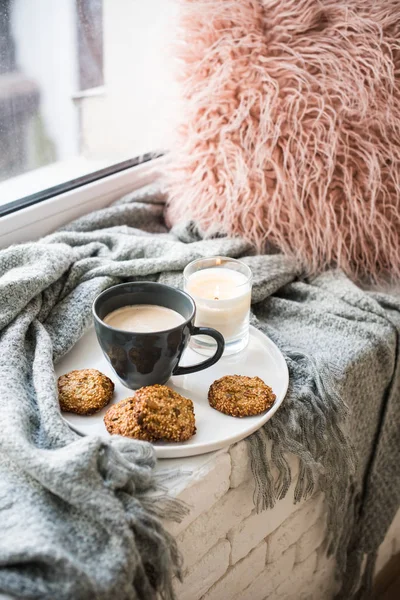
291,128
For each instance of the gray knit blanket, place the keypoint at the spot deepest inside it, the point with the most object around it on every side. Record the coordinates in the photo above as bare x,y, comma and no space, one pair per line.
80,516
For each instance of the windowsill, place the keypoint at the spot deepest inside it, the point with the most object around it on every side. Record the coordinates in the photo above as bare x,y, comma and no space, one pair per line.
89,93
45,177
41,218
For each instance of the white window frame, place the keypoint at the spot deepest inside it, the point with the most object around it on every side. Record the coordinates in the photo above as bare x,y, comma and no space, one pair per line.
40,219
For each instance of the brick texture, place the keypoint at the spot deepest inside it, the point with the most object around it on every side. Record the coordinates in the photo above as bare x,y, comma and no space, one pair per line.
267,582
240,459
250,532
205,573
294,526
239,576
323,584
214,524
297,579
311,539
232,553
203,490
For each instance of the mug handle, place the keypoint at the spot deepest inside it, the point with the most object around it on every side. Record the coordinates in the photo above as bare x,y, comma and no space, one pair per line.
210,361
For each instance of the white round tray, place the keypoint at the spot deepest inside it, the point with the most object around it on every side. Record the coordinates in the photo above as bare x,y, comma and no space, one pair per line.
214,429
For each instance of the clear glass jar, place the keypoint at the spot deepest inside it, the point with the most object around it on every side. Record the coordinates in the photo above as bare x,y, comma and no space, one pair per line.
221,289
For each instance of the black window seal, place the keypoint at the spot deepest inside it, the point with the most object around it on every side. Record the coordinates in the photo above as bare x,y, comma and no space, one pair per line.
73,184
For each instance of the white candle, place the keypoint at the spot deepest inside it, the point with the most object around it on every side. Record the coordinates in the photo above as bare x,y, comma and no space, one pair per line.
222,297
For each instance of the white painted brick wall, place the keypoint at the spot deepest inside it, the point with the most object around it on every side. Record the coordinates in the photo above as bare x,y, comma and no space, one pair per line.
203,490
266,584
311,539
205,573
240,460
297,579
294,526
215,523
323,583
240,576
249,533
233,553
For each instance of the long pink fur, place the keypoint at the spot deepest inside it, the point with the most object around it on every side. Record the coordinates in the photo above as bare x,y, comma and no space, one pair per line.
290,132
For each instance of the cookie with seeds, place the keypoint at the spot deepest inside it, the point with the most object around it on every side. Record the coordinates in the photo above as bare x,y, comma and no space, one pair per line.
165,414
121,419
240,396
84,392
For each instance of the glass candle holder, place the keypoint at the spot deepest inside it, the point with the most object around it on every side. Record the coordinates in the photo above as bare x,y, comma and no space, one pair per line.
221,289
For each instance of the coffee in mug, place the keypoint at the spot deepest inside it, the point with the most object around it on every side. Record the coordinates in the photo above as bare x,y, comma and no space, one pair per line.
144,318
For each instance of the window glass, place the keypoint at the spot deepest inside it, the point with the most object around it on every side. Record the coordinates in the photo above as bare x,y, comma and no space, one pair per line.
84,84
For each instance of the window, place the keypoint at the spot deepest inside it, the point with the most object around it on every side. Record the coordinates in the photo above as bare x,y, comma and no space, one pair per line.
85,87
90,43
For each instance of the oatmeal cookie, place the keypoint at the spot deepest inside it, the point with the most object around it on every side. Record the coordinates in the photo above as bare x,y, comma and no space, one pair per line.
84,392
240,396
165,414
121,419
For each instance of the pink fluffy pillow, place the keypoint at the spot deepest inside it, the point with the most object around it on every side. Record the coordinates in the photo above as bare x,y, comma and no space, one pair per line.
291,128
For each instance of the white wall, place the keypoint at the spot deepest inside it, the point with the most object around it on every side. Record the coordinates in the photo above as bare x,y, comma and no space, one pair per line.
44,32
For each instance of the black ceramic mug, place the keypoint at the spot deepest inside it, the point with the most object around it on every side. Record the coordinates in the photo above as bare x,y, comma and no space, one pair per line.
141,359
